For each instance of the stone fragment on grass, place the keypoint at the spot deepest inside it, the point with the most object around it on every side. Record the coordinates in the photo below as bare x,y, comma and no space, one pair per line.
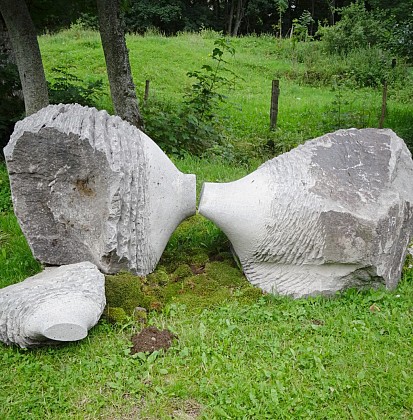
89,186
60,304
333,213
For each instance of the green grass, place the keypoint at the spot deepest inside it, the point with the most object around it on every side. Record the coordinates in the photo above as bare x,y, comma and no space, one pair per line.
306,104
270,358
240,354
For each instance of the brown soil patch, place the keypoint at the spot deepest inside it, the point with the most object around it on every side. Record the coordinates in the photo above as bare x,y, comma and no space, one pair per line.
216,257
189,410
151,339
196,269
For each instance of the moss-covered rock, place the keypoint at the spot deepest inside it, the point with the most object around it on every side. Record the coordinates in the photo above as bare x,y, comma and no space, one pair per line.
125,291
198,285
115,315
140,314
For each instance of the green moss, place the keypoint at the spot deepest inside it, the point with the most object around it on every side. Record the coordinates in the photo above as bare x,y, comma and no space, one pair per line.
250,294
200,285
182,272
140,315
225,274
124,290
216,283
158,277
200,259
115,315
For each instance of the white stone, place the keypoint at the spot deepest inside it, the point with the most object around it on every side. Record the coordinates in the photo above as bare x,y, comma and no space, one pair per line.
87,186
59,304
333,213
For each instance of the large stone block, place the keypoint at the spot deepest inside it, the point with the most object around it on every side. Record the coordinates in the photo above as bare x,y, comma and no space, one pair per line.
333,213
59,304
87,186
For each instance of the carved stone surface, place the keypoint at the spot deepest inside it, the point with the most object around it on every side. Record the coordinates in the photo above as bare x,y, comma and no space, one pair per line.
333,213
87,186
59,304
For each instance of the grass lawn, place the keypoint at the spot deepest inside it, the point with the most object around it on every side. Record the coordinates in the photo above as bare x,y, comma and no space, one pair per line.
240,354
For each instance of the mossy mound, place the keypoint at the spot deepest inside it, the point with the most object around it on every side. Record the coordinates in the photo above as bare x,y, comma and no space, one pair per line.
198,285
115,315
183,271
225,274
125,292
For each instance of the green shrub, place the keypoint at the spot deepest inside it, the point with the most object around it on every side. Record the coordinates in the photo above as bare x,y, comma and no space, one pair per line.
195,125
67,88
177,129
357,28
402,40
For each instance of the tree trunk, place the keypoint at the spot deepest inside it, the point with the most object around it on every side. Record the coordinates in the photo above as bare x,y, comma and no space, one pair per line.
230,18
332,7
6,50
312,21
238,17
217,9
122,88
27,54
7,58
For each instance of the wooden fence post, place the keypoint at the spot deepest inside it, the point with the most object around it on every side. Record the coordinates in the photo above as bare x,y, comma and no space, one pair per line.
383,105
275,92
146,96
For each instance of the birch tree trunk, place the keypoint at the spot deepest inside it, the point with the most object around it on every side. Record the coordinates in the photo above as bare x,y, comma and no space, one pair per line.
26,53
122,88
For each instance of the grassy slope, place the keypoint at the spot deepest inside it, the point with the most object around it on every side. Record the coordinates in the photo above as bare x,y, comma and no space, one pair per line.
238,355
304,111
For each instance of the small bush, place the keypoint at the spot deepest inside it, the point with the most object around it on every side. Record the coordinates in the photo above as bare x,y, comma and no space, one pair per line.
67,88
177,129
357,28
195,125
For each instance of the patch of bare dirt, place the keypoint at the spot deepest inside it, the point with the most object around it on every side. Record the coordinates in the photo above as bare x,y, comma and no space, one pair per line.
189,410
151,339
197,269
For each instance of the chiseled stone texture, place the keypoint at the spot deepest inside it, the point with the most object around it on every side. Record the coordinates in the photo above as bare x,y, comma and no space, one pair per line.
59,304
87,186
333,213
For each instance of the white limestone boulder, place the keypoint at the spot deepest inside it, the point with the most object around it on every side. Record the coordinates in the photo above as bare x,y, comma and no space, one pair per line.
87,186
60,304
333,213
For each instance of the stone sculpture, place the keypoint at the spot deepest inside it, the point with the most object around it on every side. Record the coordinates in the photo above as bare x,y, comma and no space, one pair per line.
59,304
87,186
333,213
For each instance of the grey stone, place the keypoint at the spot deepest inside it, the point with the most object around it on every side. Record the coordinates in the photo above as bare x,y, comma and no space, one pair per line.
60,304
87,186
333,213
